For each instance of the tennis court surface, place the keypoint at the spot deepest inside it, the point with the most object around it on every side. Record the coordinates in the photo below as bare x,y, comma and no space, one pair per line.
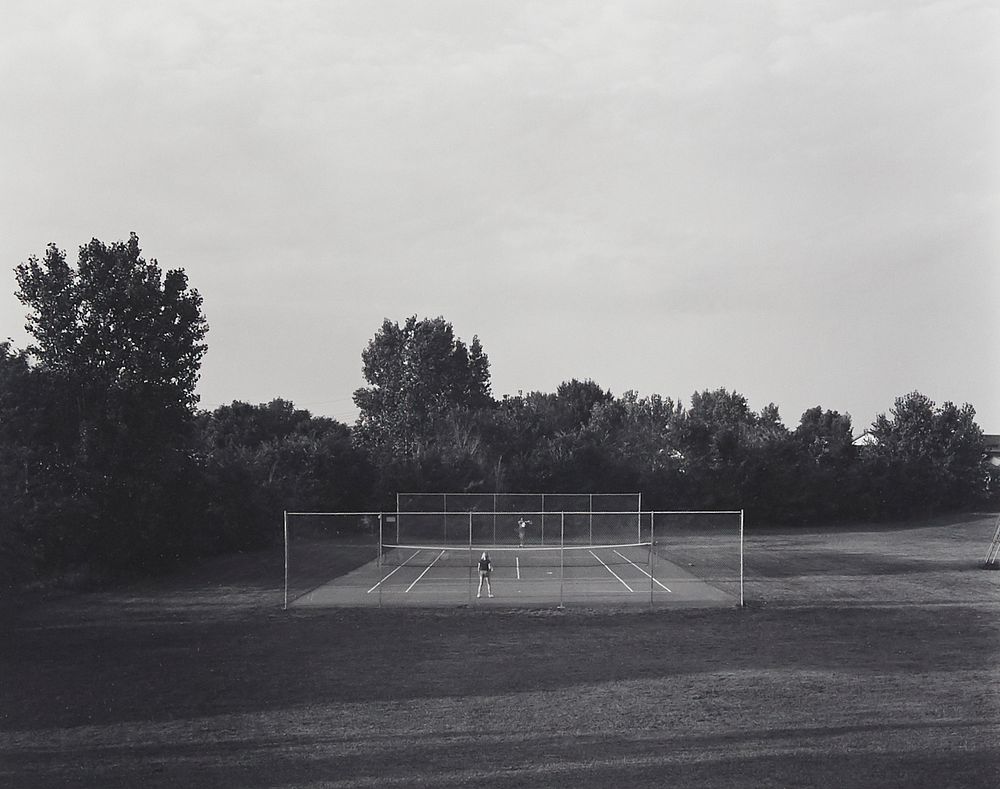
447,576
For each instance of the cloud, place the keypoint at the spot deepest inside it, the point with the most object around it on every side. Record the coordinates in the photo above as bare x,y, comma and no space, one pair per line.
699,170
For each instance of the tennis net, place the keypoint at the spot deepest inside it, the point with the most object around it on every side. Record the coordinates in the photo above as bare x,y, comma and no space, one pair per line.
510,557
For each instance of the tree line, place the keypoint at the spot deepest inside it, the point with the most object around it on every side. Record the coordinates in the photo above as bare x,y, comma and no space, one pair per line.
108,466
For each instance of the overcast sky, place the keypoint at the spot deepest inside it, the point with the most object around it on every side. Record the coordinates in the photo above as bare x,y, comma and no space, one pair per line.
795,200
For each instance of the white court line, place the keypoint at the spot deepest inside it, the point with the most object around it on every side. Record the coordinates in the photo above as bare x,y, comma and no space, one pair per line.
400,567
612,572
426,570
517,566
637,567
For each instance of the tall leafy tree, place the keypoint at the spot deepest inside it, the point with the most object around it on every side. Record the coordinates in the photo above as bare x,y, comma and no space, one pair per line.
926,457
734,456
417,373
714,427
120,343
641,434
575,401
826,437
824,460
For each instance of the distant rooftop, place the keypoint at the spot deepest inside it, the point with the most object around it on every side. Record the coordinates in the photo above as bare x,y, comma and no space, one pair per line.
866,439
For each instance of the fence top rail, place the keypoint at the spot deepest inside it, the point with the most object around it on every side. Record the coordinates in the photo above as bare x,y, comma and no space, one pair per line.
509,493
377,513
696,512
457,513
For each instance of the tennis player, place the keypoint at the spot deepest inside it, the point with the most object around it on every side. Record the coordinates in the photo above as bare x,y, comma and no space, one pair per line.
522,524
485,568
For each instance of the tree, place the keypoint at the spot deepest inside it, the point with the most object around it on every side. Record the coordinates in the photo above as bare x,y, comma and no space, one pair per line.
574,402
713,427
38,493
417,373
245,425
120,345
262,459
734,456
825,459
116,319
826,437
926,458
641,438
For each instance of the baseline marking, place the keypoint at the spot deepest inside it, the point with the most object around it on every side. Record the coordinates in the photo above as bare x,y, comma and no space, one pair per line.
426,570
612,571
399,567
637,567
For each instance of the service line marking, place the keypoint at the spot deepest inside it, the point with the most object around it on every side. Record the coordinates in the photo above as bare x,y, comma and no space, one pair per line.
400,567
637,567
426,570
517,566
612,571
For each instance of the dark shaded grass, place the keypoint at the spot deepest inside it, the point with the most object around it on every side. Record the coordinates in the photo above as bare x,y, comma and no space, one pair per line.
114,672
585,699
204,681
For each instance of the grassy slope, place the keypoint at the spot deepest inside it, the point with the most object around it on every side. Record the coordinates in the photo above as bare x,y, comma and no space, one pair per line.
868,658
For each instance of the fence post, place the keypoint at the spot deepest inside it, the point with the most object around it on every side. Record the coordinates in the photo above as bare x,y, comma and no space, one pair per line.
652,551
741,558
562,548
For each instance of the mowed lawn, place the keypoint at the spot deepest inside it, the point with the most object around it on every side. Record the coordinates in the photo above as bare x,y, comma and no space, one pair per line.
866,658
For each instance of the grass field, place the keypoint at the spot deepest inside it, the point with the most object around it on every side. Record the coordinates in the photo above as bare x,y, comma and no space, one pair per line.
866,658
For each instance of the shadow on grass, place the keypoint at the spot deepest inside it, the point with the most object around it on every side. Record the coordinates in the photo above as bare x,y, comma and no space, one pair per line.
794,564
800,757
117,671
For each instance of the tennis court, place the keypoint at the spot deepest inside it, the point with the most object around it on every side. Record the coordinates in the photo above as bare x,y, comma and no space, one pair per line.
447,576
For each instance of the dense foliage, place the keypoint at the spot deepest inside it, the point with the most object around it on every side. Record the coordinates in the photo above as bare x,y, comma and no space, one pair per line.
107,466
419,372
258,461
97,411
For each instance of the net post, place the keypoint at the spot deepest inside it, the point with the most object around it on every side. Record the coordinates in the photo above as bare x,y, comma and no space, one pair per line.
741,559
640,519
590,520
285,518
471,560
